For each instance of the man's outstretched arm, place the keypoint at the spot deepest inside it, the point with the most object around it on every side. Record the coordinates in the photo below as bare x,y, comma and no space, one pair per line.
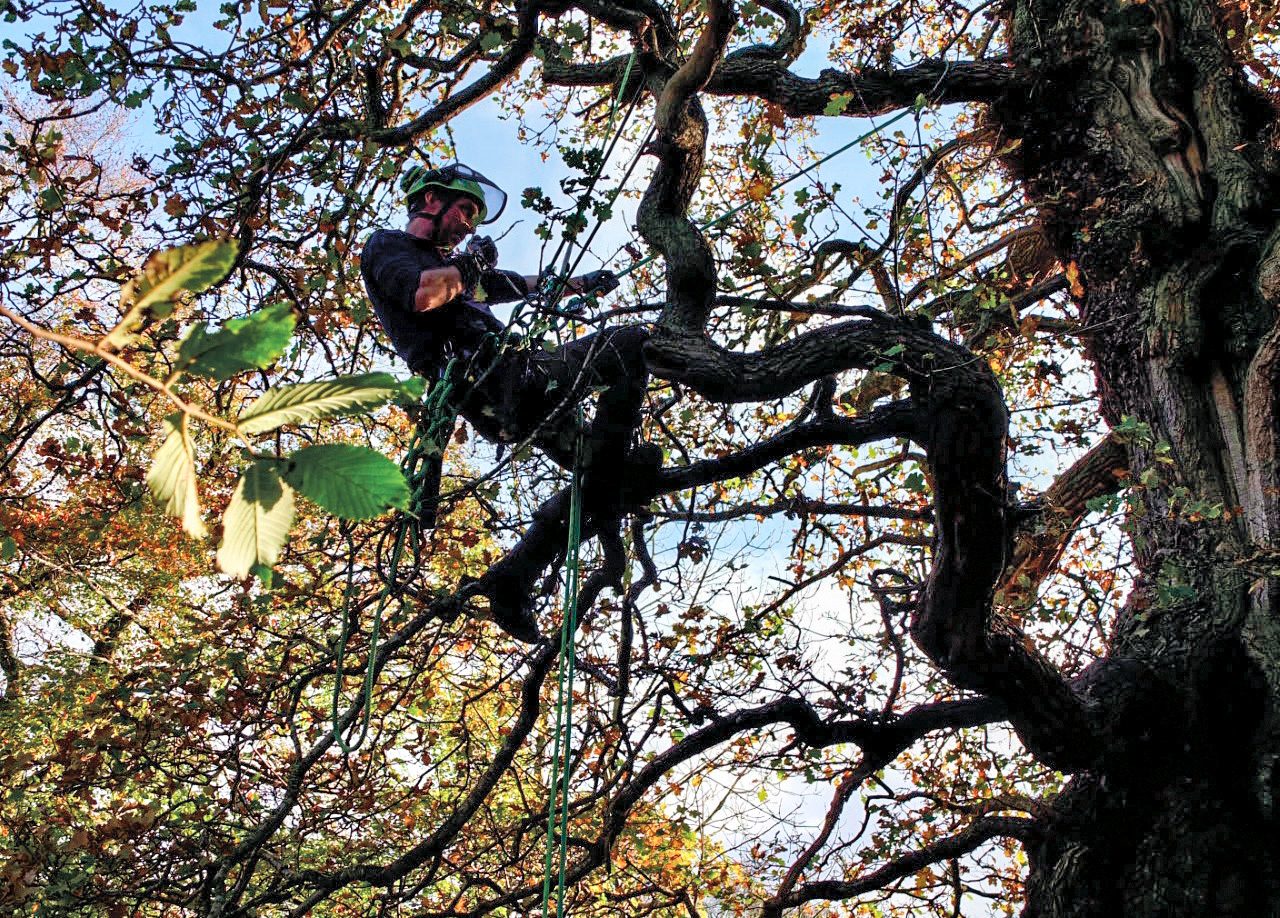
437,286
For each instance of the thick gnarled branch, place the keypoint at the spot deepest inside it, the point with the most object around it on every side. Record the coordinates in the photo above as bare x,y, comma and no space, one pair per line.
870,91
662,218
958,416
881,342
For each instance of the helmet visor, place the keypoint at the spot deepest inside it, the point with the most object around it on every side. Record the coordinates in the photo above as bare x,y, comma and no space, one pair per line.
493,200
458,179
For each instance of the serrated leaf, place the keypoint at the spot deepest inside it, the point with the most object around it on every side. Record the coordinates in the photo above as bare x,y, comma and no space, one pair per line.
257,522
838,103
192,268
304,402
351,482
253,342
172,477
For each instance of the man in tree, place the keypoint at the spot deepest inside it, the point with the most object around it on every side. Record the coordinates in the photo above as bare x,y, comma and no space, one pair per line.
433,301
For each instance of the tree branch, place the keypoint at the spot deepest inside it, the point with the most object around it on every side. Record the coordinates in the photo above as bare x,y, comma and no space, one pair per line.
869,92
882,343
893,420
503,69
89,347
1039,545
681,147
681,87
10,665
979,832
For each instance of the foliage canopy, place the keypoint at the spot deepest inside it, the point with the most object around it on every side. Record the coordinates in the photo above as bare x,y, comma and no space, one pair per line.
969,463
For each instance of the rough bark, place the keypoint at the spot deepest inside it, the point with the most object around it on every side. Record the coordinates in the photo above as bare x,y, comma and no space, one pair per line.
1145,148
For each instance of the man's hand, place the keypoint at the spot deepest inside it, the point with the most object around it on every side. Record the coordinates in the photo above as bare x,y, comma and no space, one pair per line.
437,286
600,282
485,252
480,256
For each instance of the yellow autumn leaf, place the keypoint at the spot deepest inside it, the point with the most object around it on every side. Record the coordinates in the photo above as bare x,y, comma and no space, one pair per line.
1073,278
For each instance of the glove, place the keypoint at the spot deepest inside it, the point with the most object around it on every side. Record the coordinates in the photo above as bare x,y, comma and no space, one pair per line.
479,257
485,251
600,282
469,269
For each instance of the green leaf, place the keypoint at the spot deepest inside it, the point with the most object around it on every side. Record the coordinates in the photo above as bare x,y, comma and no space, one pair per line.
838,104
51,199
303,402
172,477
8,548
351,482
257,522
192,268
254,342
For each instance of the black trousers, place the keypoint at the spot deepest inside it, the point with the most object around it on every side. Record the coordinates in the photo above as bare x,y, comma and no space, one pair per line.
519,391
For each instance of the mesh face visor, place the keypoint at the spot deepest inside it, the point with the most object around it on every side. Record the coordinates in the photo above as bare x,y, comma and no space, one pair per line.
459,179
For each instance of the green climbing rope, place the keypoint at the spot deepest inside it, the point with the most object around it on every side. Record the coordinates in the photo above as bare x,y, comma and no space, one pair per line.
556,859
430,439
557,851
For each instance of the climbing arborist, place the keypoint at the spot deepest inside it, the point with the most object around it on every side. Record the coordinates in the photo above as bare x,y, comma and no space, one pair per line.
432,299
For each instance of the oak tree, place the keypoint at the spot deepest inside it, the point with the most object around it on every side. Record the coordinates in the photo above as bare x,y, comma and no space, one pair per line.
956,591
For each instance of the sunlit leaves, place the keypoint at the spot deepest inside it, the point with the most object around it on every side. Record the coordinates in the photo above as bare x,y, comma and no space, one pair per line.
304,402
166,275
838,104
172,478
257,522
254,342
351,482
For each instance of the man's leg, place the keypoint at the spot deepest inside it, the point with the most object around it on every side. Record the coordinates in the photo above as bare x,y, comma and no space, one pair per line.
536,394
520,393
613,361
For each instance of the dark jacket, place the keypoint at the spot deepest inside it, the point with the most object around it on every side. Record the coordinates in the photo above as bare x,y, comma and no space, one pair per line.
391,264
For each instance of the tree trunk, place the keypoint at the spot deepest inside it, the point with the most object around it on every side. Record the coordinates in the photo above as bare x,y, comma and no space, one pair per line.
1150,158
